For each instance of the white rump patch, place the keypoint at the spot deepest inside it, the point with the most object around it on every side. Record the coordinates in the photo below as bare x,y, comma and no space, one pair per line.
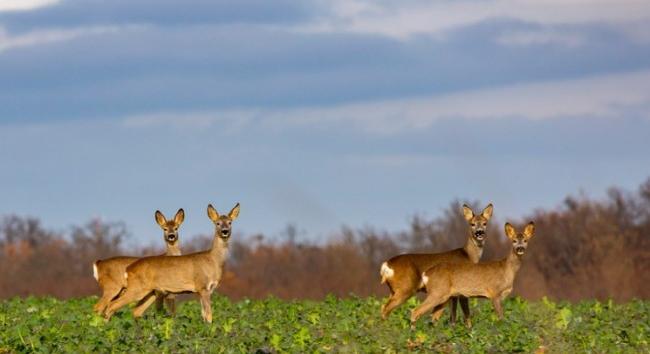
425,280
95,274
386,272
126,276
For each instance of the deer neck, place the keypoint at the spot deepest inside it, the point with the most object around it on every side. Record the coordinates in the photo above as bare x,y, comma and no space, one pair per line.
173,249
219,249
473,251
511,265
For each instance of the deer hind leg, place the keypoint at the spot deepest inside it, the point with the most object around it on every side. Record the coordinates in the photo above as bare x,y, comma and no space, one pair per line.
144,304
109,293
130,295
438,310
403,286
396,299
427,305
464,304
206,306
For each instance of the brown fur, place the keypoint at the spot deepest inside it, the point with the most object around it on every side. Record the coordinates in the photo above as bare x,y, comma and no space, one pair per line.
407,269
492,280
192,273
110,272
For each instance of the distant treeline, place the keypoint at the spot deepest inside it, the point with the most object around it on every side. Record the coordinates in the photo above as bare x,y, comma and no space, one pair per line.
583,249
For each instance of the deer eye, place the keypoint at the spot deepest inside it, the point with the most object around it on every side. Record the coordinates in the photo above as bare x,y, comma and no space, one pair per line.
473,224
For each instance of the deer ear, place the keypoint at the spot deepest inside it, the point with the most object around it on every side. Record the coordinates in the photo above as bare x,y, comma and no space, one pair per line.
487,212
467,212
160,218
234,213
529,231
212,213
179,217
510,231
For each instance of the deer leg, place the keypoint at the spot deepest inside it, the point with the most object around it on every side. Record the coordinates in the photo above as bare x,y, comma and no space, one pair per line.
496,302
398,298
144,304
454,306
170,300
160,302
464,304
129,295
108,294
206,306
427,305
437,311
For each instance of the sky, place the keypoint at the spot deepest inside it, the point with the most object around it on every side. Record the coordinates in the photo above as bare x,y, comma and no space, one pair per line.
317,113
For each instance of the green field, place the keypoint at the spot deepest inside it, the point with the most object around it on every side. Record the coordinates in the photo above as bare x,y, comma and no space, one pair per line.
332,325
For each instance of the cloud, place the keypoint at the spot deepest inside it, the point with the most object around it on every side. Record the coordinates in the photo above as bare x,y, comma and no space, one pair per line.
24,5
406,19
83,13
8,41
139,70
589,98
542,37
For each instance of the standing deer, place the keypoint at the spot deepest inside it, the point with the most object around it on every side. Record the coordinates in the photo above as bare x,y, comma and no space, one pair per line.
403,273
492,280
192,273
109,273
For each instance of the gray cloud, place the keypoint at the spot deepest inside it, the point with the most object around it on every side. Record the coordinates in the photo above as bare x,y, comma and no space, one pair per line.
147,69
81,13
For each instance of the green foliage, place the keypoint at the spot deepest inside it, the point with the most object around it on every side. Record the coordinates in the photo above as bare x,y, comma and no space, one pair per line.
331,325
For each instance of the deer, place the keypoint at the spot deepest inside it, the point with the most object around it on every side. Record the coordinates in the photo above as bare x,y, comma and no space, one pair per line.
109,273
198,273
403,273
492,280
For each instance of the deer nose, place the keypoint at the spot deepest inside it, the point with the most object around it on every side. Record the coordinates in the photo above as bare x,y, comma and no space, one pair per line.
171,237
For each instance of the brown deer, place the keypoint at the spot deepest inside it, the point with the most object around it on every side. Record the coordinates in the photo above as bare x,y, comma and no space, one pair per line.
109,273
403,273
192,273
492,280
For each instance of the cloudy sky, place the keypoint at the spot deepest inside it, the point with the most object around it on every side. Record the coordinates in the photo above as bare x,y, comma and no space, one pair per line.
318,113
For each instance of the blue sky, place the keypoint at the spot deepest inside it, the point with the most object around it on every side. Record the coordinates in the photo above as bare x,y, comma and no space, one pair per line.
318,113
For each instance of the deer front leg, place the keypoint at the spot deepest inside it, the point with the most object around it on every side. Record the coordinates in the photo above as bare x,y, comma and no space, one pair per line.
496,302
453,305
160,302
206,306
464,304
170,300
